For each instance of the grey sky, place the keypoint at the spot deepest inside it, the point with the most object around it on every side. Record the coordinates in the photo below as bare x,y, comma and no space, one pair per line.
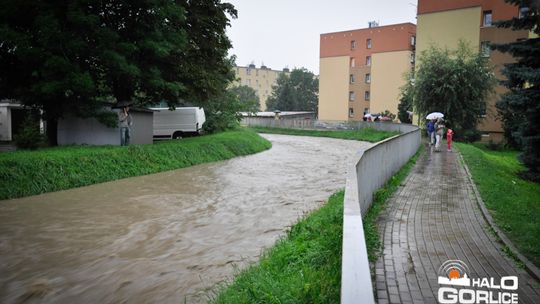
284,33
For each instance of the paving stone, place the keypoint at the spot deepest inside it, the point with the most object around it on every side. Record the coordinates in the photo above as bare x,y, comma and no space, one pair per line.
434,217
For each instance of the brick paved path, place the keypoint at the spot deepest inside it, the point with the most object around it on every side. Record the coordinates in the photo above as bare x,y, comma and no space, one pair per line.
423,226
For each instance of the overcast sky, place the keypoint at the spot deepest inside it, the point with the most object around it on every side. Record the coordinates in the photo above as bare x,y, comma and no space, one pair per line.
285,33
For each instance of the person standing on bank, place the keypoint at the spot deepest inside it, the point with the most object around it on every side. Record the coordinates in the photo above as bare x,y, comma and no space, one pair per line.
449,135
439,131
431,132
124,122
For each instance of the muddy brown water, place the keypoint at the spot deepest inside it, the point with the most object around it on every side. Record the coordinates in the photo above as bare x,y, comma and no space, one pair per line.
170,237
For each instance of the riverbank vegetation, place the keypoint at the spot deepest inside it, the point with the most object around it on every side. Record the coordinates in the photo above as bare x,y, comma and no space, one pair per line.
366,134
305,265
513,202
24,173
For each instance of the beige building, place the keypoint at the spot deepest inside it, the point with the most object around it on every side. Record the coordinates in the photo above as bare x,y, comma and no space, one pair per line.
361,71
260,79
444,23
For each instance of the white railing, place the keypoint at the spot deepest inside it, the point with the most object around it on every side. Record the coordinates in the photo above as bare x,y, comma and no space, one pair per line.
368,171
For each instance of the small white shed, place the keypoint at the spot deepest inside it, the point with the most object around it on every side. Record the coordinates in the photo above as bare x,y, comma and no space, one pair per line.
12,115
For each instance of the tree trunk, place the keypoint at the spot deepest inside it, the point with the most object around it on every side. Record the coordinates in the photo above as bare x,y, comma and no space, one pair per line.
52,132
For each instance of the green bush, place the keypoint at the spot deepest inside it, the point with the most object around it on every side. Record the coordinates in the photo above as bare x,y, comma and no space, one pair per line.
29,136
470,135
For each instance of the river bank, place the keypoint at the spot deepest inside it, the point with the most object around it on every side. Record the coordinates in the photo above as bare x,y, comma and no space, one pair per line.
24,173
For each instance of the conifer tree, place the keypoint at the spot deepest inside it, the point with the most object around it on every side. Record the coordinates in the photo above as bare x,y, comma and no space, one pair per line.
520,107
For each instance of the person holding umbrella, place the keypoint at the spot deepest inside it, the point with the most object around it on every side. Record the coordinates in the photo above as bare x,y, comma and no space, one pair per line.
431,131
437,118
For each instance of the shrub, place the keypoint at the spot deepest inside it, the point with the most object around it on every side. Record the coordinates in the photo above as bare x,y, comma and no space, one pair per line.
29,136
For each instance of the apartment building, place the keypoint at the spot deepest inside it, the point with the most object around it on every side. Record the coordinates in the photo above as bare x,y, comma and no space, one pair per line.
361,71
444,23
260,79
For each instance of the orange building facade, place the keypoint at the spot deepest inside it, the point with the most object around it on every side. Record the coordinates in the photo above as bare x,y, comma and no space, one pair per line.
444,23
361,71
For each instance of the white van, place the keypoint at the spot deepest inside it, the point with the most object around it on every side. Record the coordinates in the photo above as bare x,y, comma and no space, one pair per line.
182,122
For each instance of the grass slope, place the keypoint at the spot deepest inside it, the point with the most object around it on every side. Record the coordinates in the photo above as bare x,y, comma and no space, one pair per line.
367,134
24,173
305,266
513,202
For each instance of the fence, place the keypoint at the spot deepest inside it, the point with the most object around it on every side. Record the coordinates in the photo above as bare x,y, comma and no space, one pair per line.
307,123
369,171
297,123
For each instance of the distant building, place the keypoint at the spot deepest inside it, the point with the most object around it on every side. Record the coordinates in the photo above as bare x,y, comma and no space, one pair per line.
260,79
361,71
444,23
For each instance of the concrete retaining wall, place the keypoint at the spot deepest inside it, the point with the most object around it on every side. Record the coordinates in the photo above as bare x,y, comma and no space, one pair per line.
368,171
298,123
304,123
89,131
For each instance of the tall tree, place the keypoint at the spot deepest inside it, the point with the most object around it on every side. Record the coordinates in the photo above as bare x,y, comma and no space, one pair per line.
520,107
456,83
248,98
70,56
295,92
405,105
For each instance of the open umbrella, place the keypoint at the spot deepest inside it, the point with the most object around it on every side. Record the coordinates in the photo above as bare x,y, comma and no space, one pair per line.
368,115
435,115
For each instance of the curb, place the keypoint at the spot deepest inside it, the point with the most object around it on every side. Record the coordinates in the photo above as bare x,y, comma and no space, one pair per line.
529,266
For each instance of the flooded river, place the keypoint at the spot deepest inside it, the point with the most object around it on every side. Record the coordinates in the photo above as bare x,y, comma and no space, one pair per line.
167,237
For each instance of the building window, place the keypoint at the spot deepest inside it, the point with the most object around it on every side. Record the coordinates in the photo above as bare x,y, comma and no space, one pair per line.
353,44
366,96
413,40
368,78
353,62
368,43
368,60
485,48
351,112
487,18
352,95
248,71
412,58
523,10
351,78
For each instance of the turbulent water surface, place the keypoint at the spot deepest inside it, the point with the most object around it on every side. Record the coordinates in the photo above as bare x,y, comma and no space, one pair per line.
167,237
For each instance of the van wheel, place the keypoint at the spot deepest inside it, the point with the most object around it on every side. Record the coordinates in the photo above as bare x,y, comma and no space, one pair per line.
177,135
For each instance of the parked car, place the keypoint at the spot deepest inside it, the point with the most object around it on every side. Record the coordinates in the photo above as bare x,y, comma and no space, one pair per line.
178,123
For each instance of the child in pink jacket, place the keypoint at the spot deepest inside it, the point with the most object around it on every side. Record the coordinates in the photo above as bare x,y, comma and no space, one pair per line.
449,135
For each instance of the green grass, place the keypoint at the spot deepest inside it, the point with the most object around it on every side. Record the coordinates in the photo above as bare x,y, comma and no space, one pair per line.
24,173
513,202
305,266
367,134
